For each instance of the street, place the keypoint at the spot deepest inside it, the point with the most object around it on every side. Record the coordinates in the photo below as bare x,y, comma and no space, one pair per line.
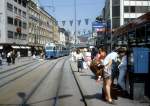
50,83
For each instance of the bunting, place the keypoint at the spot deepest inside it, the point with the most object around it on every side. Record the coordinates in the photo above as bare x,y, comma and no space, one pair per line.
63,23
86,21
71,22
79,22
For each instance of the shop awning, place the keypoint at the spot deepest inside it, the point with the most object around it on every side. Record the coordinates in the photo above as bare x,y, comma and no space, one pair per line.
1,47
15,47
23,47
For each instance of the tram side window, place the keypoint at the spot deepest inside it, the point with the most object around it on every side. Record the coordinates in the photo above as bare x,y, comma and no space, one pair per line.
148,32
140,34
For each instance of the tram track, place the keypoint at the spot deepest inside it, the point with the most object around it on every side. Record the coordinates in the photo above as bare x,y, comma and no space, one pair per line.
19,76
16,70
25,101
28,91
11,69
48,88
58,93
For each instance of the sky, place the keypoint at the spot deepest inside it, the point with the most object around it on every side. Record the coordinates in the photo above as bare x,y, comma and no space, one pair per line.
63,10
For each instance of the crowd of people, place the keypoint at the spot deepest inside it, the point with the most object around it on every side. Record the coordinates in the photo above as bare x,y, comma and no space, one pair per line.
105,66
10,57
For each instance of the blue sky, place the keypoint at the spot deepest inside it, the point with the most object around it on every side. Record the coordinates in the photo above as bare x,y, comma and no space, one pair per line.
64,11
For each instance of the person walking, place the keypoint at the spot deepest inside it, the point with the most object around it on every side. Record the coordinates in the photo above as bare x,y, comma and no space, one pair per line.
13,56
79,58
9,57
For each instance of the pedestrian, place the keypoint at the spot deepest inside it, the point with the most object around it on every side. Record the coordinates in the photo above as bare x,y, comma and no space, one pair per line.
87,56
13,56
9,57
79,58
108,75
96,64
122,72
109,61
0,59
93,52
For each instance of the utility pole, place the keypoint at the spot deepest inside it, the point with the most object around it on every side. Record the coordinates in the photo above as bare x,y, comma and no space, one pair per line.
75,22
111,25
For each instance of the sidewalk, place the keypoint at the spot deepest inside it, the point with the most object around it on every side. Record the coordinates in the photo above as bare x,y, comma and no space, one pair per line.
18,62
92,91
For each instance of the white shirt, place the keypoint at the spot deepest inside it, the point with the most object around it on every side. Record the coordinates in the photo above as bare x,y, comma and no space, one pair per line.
111,56
79,56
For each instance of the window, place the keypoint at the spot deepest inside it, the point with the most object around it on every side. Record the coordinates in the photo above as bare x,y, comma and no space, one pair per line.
24,4
19,1
142,9
16,35
9,7
19,36
126,9
20,23
16,22
116,11
19,12
10,20
24,14
132,9
115,2
24,25
24,36
15,10
10,34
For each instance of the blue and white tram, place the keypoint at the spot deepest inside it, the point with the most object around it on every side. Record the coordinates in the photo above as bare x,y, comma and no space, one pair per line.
50,50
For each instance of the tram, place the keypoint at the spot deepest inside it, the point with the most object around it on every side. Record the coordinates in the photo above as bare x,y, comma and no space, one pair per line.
50,50
53,50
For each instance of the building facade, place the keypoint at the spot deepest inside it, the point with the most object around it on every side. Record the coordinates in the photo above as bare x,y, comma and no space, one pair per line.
120,12
43,27
13,24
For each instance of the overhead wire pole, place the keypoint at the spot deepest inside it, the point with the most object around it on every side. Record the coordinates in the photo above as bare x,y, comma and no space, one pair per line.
75,27
111,25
